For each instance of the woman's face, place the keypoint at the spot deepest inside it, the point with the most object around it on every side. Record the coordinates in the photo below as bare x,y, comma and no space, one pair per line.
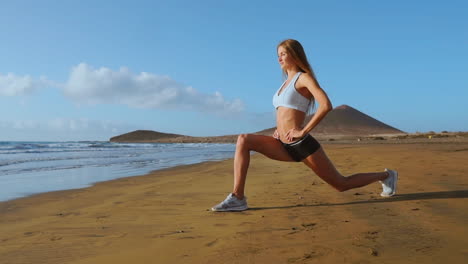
284,59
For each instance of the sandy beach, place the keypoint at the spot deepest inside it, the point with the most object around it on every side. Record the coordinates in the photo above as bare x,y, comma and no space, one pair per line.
295,217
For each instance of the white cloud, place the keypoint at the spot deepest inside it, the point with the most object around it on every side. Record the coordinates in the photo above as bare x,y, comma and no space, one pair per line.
12,85
87,85
144,90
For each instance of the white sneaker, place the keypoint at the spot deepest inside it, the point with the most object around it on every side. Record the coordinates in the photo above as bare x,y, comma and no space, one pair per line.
389,185
231,203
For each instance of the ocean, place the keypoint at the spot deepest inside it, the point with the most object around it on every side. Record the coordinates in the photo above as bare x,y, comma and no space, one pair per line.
28,168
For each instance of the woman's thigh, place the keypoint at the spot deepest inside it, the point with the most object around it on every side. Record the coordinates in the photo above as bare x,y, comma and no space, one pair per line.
323,167
268,146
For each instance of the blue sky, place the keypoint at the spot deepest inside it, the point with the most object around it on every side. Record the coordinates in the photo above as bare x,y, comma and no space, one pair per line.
89,70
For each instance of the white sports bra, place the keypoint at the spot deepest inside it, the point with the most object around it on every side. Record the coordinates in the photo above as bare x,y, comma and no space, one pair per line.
290,97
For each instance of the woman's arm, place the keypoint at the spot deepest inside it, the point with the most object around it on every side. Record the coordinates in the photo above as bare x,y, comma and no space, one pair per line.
325,106
321,98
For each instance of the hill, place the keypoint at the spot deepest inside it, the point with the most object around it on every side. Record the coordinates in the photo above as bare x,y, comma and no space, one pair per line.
345,120
143,136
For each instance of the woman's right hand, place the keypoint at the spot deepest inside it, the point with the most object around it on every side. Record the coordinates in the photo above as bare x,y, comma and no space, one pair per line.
276,134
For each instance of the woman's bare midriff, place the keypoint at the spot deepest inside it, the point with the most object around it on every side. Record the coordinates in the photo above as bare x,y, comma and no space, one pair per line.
287,119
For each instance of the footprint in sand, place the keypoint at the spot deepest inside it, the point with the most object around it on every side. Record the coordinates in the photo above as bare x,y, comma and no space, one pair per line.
64,214
212,243
190,237
55,238
373,252
371,235
309,226
170,233
317,252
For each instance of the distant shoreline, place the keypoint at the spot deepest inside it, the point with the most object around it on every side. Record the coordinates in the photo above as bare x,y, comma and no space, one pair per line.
430,137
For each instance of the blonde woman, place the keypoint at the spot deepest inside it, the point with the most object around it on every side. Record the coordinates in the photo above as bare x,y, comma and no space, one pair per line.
290,141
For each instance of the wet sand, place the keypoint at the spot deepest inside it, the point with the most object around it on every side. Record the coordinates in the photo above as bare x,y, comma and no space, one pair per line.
295,217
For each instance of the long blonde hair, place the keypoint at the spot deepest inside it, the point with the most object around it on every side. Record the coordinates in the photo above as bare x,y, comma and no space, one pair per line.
297,53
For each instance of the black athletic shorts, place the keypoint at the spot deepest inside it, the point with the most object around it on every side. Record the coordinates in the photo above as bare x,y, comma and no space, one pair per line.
302,148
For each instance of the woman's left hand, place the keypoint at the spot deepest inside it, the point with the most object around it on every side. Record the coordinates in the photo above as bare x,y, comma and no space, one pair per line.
294,134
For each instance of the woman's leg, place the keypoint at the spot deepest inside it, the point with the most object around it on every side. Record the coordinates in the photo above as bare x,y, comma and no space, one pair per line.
268,146
324,168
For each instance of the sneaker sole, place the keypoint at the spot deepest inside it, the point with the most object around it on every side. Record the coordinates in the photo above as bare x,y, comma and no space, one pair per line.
394,186
232,209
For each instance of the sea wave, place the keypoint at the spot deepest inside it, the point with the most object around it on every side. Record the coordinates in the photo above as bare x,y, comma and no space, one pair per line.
32,167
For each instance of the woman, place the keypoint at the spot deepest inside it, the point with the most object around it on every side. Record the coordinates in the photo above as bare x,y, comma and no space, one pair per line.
290,141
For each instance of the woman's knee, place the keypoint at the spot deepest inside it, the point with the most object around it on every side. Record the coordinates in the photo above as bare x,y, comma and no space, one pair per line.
249,142
242,140
340,188
341,185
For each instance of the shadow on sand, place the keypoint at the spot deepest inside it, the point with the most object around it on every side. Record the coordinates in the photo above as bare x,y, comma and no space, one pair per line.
396,198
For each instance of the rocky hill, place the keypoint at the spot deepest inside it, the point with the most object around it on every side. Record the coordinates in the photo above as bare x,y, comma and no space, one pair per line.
143,136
